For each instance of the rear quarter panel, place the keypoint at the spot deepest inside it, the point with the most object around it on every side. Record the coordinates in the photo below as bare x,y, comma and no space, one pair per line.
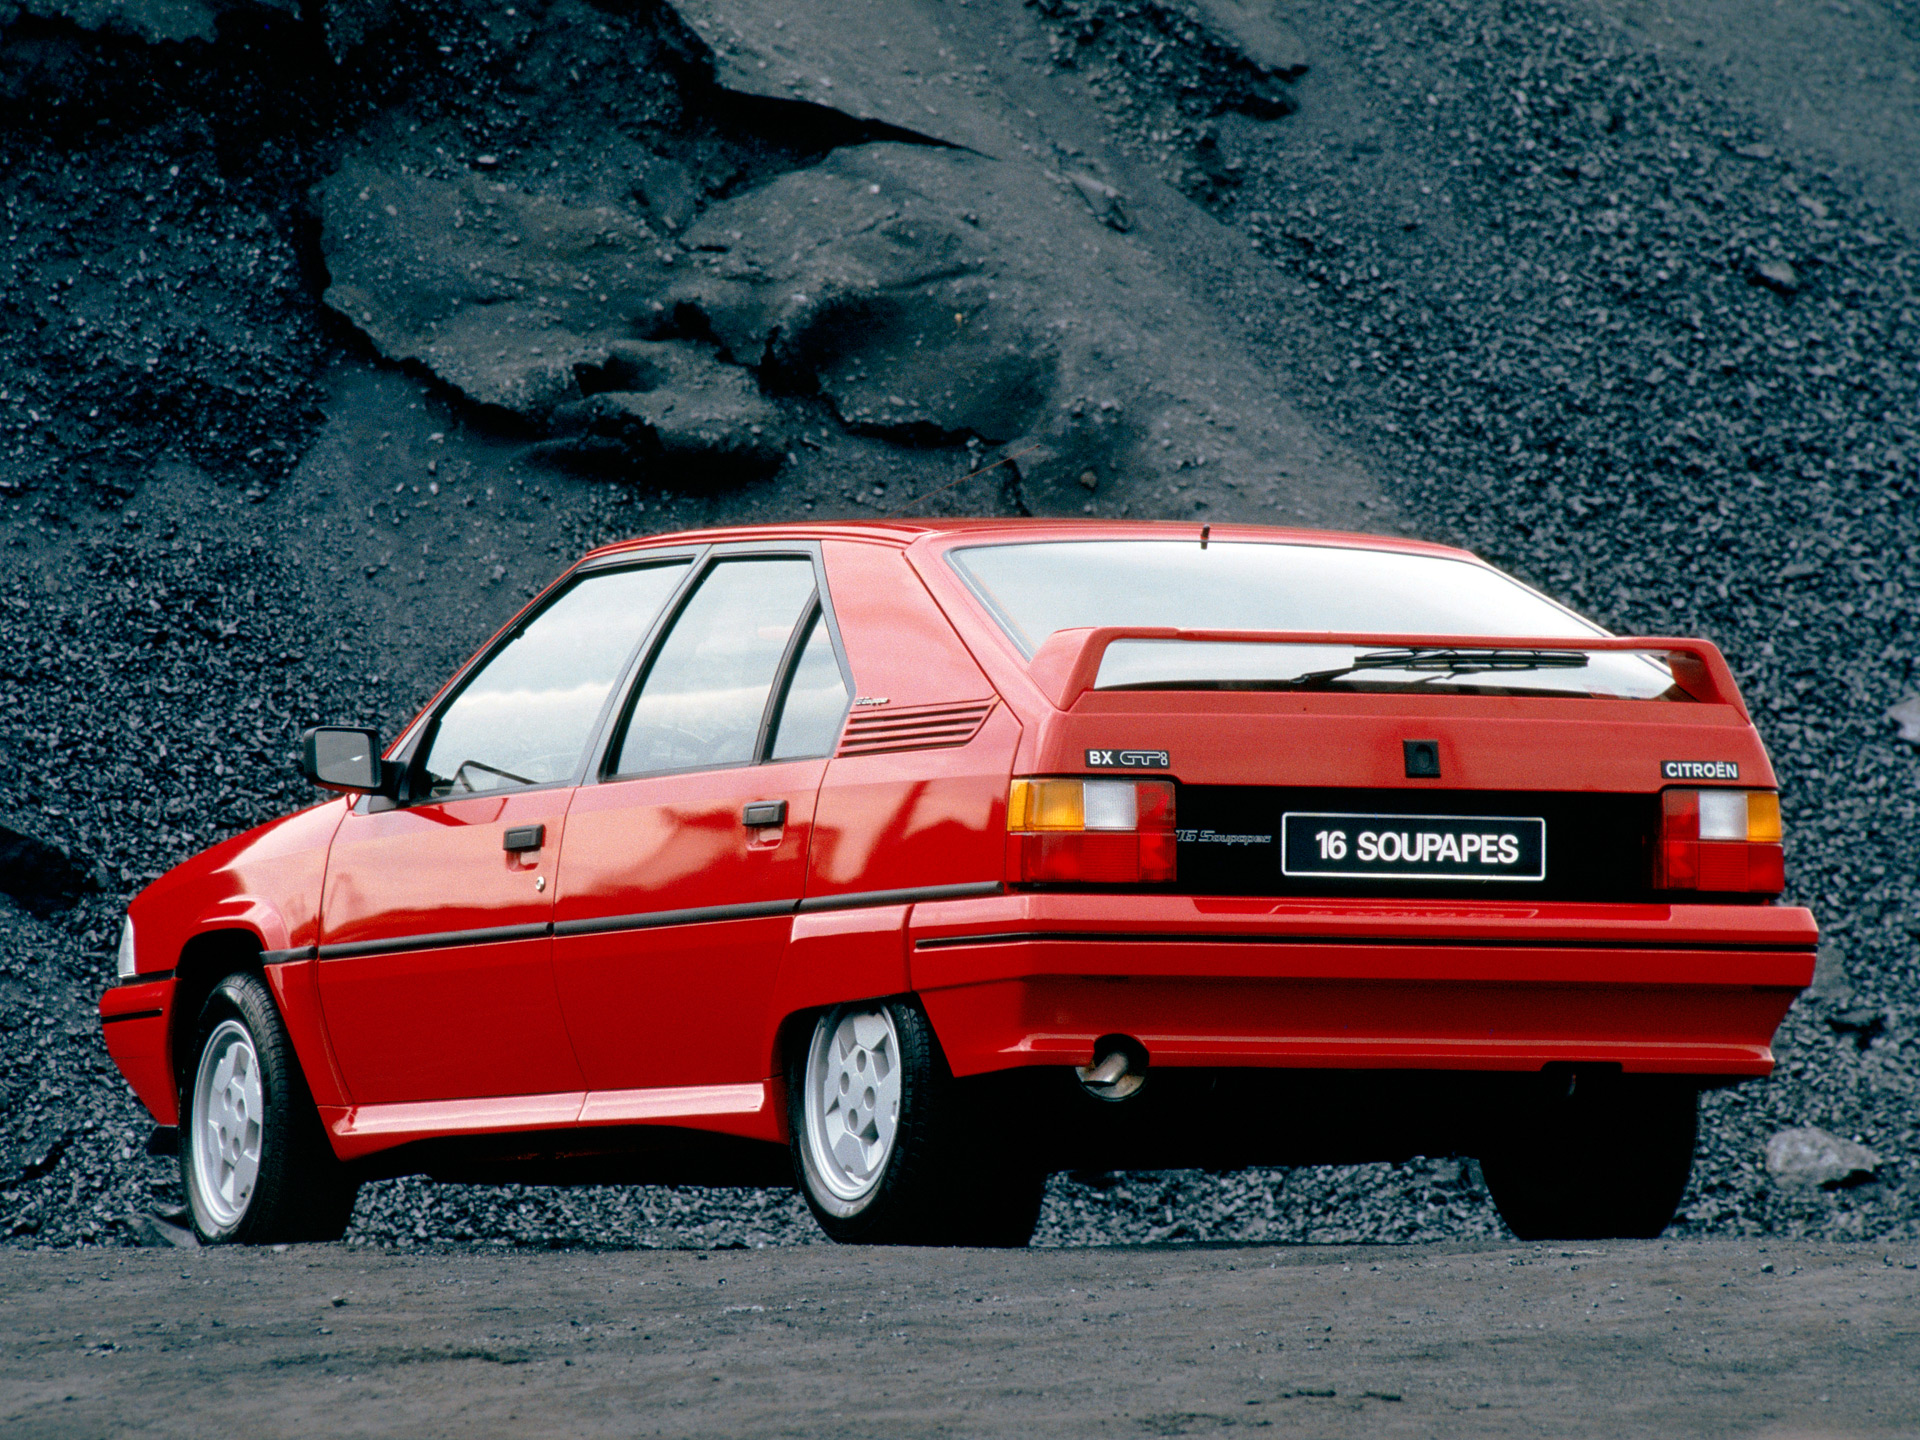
909,818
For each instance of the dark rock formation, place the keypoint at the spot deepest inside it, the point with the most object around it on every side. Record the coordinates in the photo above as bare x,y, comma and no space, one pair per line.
42,877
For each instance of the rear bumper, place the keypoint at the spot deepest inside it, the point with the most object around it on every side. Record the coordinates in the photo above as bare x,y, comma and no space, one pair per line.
1035,979
133,1019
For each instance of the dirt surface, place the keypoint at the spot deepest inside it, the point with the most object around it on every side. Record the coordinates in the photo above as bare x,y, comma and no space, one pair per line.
329,332
1686,1338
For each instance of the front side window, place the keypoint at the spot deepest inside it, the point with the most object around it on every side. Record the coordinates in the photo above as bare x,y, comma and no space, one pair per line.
1036,589
705,695
527,716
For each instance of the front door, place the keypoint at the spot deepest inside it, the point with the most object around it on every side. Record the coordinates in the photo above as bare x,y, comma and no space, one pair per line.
683,867
436,963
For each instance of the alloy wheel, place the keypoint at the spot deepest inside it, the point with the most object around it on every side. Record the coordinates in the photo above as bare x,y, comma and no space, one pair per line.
228,1123
852,1099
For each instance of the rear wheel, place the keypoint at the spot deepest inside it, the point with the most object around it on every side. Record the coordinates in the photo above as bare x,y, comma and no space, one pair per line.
883,1148
1608,1158
254,1161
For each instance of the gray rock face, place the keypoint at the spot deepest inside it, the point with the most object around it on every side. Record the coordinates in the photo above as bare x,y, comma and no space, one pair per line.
1907,716
910,75
852,273
530,304
149,20
672,401
1257,31
826,53
1809,1156
845,274
498,291
929,293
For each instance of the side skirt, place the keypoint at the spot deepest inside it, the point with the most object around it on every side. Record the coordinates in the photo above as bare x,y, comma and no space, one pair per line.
603,1155
747,1111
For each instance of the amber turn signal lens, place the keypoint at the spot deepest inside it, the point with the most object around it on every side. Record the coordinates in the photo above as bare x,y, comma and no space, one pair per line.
1091,831
1726,841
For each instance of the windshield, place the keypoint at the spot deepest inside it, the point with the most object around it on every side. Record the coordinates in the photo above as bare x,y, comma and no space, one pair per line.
1036,589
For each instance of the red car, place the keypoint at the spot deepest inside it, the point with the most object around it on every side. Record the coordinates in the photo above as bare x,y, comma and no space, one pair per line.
927,859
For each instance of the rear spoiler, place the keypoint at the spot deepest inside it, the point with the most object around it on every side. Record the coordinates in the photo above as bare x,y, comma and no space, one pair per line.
1066,666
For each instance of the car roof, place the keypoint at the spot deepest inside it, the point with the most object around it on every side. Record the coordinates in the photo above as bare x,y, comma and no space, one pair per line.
905,532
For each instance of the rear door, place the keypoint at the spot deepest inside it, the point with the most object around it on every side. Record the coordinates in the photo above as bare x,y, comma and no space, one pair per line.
684,864
436,970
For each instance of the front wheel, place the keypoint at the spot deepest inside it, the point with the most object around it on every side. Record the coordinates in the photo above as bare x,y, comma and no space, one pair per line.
883,1148
254,1161
1607,1159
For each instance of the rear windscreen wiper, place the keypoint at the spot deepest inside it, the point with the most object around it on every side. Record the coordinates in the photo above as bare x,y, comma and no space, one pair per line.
1450,660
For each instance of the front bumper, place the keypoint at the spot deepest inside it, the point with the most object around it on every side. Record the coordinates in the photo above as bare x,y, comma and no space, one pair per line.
133,1018
1036,979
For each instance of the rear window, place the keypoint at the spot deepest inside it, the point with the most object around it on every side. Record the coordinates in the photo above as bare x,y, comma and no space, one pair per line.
1037,588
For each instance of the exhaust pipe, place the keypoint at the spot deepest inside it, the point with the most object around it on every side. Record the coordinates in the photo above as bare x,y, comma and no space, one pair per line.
1118,1071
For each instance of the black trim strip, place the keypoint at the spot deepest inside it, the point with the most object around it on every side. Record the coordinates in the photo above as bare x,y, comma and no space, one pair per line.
861,898
146,977
706,914
648,920
282,957
131,1015
498,934
783,676
1378,941
656,919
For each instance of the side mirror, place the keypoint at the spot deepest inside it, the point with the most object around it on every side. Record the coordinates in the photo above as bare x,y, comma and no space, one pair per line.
342,757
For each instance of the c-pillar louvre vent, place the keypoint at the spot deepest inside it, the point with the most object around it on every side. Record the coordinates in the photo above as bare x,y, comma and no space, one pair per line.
916,727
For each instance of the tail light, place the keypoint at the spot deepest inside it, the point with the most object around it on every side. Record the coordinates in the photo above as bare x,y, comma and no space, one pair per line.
1720,840
1103,832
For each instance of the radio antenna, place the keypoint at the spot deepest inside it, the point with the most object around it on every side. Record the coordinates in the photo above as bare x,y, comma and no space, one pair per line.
1003,460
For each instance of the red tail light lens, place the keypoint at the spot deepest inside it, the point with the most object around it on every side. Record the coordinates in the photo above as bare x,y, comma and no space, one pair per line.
1099,832
1724,841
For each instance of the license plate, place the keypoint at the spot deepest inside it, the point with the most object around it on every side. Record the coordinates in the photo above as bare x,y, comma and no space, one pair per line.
1413,847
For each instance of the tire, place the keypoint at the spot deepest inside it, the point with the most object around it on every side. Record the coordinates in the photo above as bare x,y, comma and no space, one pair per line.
254,1159
1608,1159
883,1149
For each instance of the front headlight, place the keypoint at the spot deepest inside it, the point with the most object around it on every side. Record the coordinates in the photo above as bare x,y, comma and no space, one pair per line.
123,962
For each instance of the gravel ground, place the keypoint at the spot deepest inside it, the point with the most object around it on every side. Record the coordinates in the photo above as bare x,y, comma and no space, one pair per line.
1682,1338
1569,284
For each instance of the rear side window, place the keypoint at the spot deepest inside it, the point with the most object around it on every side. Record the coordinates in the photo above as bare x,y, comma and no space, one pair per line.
704,696
525,718
816,700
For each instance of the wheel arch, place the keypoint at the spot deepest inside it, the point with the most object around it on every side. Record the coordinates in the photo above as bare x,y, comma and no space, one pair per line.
835,957
794,1033
215,953
205,960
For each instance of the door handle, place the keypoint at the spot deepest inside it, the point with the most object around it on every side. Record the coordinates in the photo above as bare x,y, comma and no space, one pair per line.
763,814
523,837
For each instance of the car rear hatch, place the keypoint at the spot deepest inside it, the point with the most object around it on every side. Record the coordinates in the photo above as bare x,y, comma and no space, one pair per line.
1503,787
